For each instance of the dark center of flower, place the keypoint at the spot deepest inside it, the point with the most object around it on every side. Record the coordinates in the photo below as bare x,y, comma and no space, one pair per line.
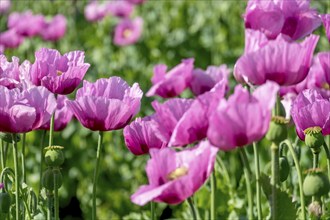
127,33
313,130
177,173
59,73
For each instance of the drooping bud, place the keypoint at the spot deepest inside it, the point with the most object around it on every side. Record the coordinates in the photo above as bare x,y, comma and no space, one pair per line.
54,156
314,138
277,129
284,168
5,202
316,183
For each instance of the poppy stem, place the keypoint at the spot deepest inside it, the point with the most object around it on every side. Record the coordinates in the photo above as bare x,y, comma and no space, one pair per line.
16,175
23,157
258,188
327,152
43,136
300,180
152,206
97,164
192,208
247,172
274,178
213,190
2,155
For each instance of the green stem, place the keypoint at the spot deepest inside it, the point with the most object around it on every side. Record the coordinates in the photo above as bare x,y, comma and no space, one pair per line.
2,156
257,170
43,136
274,179
56,201
51,130
97,164
247,181
327,152
23,157
49,204
213,191
192,208
152,206
16,175
223,168
300,180
315,160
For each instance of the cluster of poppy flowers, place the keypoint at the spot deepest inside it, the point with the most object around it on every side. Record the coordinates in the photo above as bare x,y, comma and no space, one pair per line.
27,24
128,30
273,61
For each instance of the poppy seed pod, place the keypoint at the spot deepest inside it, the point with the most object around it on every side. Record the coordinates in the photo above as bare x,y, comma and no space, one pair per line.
54,156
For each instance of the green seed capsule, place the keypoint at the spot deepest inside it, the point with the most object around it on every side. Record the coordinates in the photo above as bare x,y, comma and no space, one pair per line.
54,157
278,130
5,202
316,184
284,169
49,176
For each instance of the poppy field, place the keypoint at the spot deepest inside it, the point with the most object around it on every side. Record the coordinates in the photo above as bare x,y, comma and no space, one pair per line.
157,109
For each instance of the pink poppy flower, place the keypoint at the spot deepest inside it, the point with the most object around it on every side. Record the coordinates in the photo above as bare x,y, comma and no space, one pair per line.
25,111
175,176
326,23
136,1
284,62
120,8
11,39
5,6
172,83
63,115
128,31
59,74
107,104
95,11
9,72
311,108
293,18
142,135
203,81
26,23
242,119
54,29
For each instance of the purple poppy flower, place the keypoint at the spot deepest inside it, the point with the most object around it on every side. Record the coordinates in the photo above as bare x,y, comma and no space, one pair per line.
59,74
11,39
169,113
4,6
95,11
203,81
326,23
284,62
175,176
9,72
173,83
242,119
324,59
120,8
107,104
26,23
128,31
136,1
311,108
63,115
142,135
25,111
193,124
55,29
293,18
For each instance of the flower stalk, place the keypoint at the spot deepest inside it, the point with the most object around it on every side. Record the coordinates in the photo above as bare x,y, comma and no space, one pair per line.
274,178
213,191
258,188
192,208
15,154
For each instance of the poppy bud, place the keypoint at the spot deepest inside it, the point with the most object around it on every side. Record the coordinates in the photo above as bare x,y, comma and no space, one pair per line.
284,168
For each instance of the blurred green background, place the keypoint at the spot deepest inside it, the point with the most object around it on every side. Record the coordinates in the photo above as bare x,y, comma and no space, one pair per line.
210,31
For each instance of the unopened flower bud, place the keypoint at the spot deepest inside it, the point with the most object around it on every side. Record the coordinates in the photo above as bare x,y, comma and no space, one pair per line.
284,168
315,209
316,183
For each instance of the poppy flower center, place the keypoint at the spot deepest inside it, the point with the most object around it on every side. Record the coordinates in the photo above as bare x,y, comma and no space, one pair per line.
177,173
59,73
127,33
326,86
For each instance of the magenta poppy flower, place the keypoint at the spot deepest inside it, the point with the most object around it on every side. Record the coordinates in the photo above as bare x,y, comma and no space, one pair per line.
5,6
25,111
311,108
54,29
284,62
107,104
324,59
193,124
326,23
95,11
63,115
172,83
128,31
11,39
142,135
175,176
203,81
293,18
169,113
136,1
120,8
242,119
59,74
26,23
